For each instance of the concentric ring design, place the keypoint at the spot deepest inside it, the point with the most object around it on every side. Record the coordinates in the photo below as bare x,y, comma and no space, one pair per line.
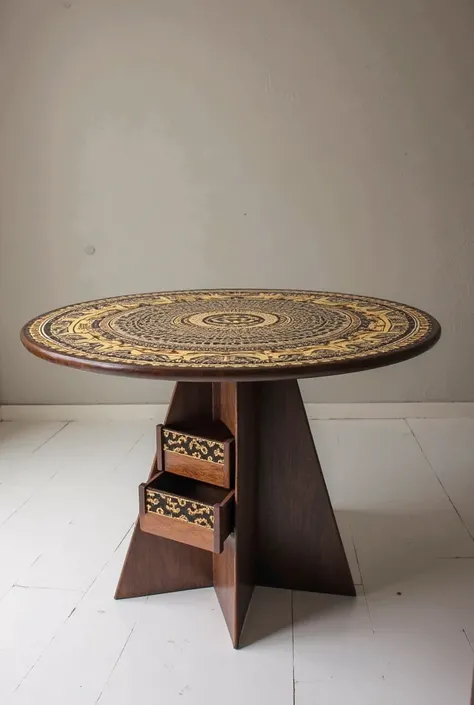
230,329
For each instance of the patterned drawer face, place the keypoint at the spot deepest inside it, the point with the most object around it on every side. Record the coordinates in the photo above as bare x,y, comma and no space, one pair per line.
179,508
195,447
204,458
187,511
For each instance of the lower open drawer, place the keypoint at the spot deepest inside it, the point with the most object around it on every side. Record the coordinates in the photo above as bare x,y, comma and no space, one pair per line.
185,510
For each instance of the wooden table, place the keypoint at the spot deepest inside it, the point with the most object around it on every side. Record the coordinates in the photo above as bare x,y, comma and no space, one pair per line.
236,356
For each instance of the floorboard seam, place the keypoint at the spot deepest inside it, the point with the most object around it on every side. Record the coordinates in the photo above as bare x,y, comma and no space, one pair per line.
439,480
53,436
115,664
468,640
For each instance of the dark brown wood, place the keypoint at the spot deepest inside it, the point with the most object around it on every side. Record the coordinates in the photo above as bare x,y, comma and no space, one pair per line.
285,534
223,521
229,461
153,564
299,545
237,374
234,569
212,430
213,473
191,403
160,457
190,534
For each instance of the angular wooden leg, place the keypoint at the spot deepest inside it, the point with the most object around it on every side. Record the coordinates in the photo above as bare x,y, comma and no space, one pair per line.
299,545
234,569
154,565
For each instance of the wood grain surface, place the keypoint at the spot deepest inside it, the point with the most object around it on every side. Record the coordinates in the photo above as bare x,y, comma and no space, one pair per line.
299,545
154,564
234,569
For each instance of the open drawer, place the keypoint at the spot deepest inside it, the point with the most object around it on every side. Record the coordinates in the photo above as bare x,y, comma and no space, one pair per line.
205,454
185,510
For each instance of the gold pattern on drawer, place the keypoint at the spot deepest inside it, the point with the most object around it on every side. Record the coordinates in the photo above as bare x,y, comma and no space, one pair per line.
200,448
179,508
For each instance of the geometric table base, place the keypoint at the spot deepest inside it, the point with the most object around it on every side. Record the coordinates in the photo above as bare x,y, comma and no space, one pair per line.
285,532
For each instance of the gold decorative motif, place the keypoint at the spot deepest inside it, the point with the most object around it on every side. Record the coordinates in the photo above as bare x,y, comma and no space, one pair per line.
179,508
202,448
231,329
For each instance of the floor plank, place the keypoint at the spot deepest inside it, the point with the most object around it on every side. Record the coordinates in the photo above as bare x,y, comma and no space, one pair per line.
29,620
189,658
403,494
388,669
448,445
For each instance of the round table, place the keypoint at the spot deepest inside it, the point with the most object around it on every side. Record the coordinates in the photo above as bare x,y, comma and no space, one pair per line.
236,356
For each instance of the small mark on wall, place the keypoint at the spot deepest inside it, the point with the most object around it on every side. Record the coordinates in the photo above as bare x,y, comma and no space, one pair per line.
89,250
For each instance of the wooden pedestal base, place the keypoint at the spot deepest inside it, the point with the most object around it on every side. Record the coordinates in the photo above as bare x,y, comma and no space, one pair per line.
285,531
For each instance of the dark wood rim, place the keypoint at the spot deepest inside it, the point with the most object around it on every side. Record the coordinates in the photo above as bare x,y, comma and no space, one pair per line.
237,374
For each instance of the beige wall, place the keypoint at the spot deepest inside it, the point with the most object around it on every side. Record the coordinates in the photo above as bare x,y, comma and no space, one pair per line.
280,143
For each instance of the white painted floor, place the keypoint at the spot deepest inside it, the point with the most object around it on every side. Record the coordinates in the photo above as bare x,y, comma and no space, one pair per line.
404,495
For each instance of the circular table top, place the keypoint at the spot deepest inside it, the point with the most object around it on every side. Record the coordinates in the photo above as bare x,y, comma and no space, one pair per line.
234,334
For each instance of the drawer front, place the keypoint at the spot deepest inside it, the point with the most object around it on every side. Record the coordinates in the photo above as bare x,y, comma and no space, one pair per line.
193,446
196,522
195,457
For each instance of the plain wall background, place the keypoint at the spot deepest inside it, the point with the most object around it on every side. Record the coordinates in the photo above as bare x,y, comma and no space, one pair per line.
324,144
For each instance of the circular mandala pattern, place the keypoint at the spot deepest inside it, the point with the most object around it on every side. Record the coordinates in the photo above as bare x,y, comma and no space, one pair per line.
226,330
246,320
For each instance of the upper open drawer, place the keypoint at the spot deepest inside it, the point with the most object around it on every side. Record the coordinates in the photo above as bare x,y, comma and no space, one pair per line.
205,454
